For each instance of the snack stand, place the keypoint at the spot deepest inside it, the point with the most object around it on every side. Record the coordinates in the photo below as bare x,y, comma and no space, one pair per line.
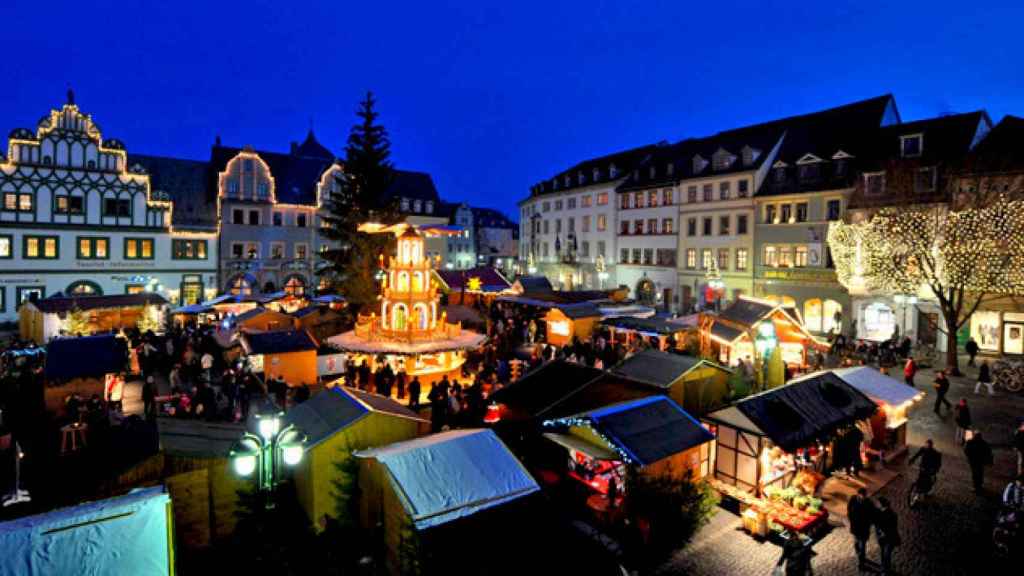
772,450
889,424
749,327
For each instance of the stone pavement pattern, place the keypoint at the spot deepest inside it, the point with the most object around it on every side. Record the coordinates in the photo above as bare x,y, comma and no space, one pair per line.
948,534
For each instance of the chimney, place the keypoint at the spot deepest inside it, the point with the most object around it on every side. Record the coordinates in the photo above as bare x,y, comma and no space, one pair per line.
216,141
295,147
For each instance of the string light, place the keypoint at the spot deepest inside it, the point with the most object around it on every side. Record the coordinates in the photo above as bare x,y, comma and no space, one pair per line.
977,250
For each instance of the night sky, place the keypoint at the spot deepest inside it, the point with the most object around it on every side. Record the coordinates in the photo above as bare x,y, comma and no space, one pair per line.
491,98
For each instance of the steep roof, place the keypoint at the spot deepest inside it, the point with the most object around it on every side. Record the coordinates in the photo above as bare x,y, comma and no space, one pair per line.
296,174
184,182
648,429
57,304
278,342
491,218
1002,149
747,312
603,391
333,409
659,368
624,162
413,185
945,139
451,475
84,356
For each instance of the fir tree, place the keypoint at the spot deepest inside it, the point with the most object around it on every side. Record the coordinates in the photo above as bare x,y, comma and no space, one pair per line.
360,198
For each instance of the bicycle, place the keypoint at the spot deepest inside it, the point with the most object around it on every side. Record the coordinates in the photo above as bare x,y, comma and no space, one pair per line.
1009,375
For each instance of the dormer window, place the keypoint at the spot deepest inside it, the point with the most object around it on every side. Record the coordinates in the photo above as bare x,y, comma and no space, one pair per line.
698,164
911,146
780,174
670,169
430,207
750,155
810,171
652,172
596,174
722,160
417,206
405,204
839,168
568,181
613,171
579,178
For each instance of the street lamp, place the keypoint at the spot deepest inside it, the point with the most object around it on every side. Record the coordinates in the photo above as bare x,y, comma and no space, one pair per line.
264,453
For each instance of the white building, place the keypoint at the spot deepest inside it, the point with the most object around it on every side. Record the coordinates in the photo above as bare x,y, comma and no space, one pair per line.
78,217
567,225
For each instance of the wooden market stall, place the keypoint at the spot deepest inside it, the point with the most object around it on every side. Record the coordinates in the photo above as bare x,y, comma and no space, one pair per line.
748,328
320,320
48,318
773,449
666,332
889,424
289,354
84,365
467,287
696,384
264,319
430,482
653,434
338,421
567,321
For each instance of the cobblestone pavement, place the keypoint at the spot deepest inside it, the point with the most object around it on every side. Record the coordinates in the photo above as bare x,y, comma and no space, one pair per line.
948,534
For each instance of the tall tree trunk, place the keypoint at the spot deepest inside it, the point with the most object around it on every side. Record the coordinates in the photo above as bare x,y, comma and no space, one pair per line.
952,358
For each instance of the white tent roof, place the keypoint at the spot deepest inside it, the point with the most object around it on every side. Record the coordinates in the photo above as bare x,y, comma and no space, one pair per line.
877,386
443,477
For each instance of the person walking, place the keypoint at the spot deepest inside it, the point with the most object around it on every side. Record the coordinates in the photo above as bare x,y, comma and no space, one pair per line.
979,455
1018,444
860,511
796,556
414,393
984,378
887,532
941,389
909,370
962,417
400,384
149,398
972,350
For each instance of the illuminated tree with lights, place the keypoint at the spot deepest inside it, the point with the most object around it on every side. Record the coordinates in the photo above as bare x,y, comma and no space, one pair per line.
962,257
360,198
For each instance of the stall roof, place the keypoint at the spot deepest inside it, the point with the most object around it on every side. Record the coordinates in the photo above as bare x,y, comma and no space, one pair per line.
606,390
648,429
595,451
55,304
330,299
490,278
312,308
255,312
126,533
534,284
747,312
654,326
68,358
559,298
278,342
544,387
443,477
196,438
332,409
805,410
876,385
725,333
660,368
574,311
193,309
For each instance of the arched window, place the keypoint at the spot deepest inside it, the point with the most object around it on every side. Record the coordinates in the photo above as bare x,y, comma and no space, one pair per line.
241,285
403,282
832,316
417,281
812,314
399,314
295,285
422,316
84,288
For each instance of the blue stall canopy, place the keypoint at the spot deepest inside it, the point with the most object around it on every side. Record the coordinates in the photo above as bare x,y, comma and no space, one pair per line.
68,358
443,477
878,386
128,534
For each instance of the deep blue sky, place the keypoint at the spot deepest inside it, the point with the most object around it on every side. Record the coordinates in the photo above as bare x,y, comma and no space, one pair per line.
491,97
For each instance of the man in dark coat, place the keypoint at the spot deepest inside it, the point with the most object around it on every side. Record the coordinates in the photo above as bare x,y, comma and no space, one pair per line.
941,389
979,455
887,531
796,556
860,512
414,393
972,350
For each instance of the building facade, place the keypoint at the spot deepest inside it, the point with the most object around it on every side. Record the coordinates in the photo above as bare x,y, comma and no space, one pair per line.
462,248
79,217
567,225
497,239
